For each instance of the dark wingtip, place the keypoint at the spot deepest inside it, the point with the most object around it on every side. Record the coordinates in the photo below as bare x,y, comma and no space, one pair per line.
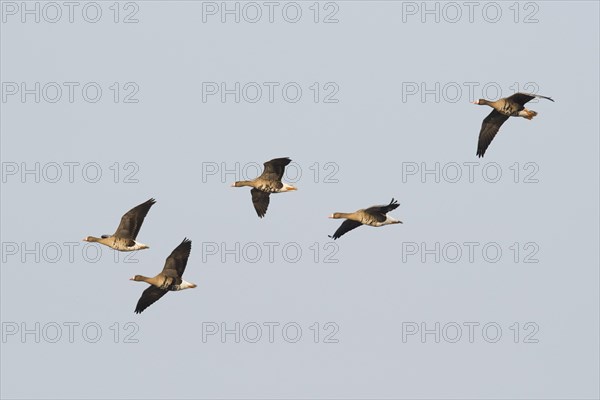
332,237
280,159
543,97
186,245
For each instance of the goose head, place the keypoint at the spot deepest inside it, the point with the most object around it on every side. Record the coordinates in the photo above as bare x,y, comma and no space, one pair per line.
137,278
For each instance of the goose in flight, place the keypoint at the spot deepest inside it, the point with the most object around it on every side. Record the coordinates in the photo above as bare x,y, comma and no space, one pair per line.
372,216
268,182
168,280
124,237
512,106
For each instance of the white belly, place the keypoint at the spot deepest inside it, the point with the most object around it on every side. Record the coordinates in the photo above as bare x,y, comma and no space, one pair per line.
389,220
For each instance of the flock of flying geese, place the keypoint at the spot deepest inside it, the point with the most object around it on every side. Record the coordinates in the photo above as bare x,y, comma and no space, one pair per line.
170,278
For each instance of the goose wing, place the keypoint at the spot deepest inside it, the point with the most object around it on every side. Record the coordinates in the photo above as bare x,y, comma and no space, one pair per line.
149,297
379,212
489,128
346,226
274,169
260,200
522,98
132,220
177,261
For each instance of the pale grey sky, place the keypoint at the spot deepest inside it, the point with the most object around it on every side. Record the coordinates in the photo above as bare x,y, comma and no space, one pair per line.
385,95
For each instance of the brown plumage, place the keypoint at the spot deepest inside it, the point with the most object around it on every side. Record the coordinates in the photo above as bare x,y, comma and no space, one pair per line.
373,216
268,182
124,237
170,278
512,106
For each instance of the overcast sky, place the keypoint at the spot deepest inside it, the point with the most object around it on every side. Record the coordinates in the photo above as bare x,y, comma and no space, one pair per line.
489,289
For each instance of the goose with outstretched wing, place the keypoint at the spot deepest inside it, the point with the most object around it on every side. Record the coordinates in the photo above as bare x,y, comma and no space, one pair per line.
512,106
170,278
375,216
267,183
124,237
